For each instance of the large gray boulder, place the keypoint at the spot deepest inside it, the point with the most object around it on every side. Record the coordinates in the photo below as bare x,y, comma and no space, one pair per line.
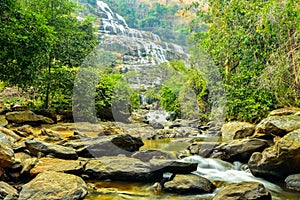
237,130
106,145
277,126
132,169
54,186
120,168
203,148
189,184
8,192
279,160
239,150
27,117
36,147
244,190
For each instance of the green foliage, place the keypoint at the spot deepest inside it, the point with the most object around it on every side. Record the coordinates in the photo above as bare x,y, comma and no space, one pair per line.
254,44
185,92
40,39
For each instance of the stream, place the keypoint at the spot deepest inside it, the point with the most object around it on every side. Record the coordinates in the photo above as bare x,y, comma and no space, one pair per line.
217,171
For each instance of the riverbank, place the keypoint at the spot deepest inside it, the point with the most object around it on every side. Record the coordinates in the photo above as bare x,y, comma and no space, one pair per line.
110,160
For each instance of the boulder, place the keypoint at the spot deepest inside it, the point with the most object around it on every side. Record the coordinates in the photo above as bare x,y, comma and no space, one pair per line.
203,149
121,168
285,111
9,134
244,190
6,152
58,165
280,160
189,184
240,149
8,192
36,147
277,126
156,125
52,135
3,121
147,155
106,145
173,166
237,130
54,186
292,182
27,162
27,117
26,130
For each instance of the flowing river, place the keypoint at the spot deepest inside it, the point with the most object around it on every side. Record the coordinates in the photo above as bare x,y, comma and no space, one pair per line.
217,171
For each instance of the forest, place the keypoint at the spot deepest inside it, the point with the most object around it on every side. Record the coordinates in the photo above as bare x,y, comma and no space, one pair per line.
254,45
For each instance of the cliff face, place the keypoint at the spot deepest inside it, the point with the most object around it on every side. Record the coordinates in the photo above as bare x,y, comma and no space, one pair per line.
135,46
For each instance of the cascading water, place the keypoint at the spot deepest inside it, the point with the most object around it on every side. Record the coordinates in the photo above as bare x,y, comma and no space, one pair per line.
118,36
218,170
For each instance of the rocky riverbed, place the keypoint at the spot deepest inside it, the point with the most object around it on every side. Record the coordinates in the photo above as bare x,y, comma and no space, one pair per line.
145,159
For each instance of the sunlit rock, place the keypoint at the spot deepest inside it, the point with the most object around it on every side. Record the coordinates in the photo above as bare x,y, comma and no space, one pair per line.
27,117
236,130
239,150
244,190
8,192
55,186
279,160
189,184
36,147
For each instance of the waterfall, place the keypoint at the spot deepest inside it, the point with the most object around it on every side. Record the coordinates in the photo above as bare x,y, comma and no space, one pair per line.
147,47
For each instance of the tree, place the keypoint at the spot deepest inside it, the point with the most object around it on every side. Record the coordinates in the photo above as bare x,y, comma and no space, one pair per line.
39,38
242,38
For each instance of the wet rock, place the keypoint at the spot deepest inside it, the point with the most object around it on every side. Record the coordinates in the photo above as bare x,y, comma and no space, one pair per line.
175,125
292,182
189,184
35,146
27,117
277,126
203,149
54,186
106,146
147,155
58,165
173,166
156,125
244,190
6,152
239,150
8,192
237,130
120,168
280,160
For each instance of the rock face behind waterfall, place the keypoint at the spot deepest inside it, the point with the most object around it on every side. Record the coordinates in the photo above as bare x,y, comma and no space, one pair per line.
139,47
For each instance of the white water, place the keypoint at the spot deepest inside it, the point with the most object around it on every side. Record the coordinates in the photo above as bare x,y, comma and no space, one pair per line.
139,41
218,170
